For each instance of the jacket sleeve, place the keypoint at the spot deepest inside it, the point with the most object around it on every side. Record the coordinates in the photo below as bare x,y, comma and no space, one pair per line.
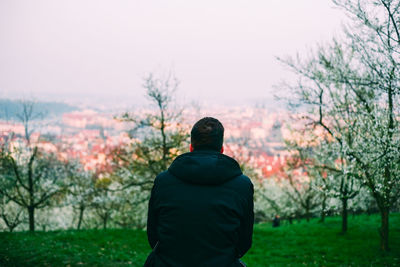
246,228
152,235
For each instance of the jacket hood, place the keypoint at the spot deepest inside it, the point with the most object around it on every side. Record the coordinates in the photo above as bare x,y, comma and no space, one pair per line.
205,167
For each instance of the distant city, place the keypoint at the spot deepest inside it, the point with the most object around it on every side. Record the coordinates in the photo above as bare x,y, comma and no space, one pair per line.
89,133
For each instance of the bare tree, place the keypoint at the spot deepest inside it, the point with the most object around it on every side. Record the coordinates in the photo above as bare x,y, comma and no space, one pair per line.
158,136
81,190
301,189
10,213
27,116
29,177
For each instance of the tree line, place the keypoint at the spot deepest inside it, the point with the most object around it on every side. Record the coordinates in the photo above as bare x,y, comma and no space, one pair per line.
350,90
33,179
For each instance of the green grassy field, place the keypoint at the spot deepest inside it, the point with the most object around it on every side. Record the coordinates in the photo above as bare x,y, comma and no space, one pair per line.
300,244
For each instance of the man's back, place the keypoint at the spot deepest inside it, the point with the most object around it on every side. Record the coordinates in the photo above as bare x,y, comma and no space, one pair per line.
201,212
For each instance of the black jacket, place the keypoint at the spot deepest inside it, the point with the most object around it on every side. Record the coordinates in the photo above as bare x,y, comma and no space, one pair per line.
200,212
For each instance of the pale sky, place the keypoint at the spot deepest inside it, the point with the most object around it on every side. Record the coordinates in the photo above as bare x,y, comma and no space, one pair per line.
222,51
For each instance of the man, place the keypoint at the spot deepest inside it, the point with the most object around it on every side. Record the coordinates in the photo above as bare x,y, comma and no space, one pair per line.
276,221
201,208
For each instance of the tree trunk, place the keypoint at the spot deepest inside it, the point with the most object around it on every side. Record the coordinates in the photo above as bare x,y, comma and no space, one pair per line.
384,230
105,219
308,214
81,210
344,215
323,210
31,212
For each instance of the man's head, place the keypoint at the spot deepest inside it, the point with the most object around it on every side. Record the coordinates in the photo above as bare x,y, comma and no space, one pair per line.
207,133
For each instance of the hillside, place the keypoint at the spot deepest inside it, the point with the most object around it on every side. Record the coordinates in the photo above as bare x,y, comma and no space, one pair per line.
9,109
299,244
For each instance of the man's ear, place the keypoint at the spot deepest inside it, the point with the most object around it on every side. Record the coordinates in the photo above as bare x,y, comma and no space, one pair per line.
191,148
222,149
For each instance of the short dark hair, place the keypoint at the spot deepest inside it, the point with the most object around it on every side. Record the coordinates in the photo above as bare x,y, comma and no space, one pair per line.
207,133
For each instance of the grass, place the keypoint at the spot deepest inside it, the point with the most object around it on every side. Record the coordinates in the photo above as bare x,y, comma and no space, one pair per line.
299,244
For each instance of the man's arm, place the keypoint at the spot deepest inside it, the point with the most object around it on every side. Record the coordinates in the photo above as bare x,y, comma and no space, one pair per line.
152,235
246,228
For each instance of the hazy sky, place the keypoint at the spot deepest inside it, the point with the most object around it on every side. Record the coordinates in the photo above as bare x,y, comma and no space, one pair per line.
222,51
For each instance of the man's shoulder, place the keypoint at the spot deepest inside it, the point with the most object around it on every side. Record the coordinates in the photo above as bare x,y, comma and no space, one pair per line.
242,181
164,177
